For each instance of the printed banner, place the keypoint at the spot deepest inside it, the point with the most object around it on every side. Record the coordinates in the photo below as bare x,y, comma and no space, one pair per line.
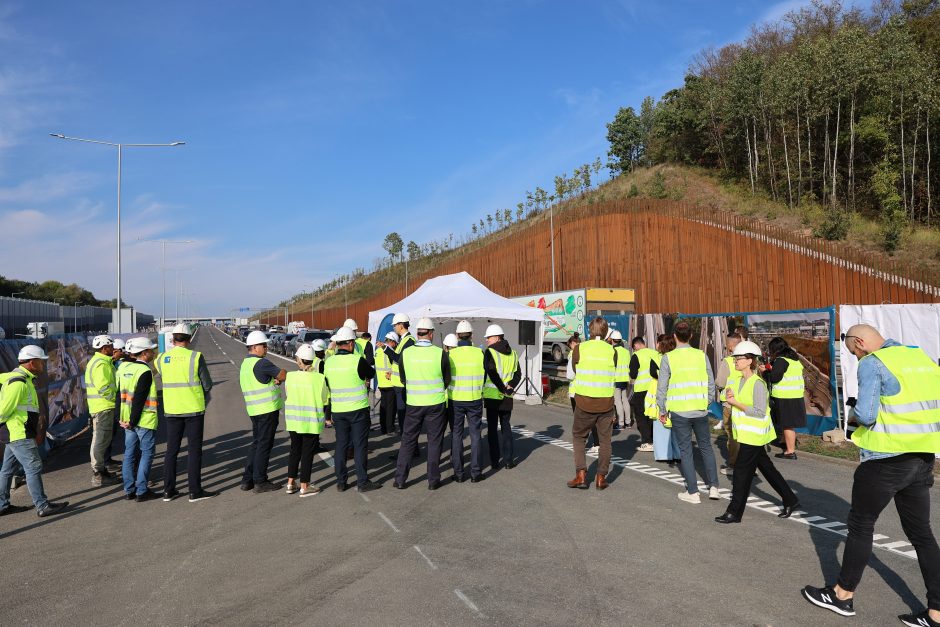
564,313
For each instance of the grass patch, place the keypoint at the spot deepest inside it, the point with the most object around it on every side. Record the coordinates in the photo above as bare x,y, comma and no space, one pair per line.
815,444
558,393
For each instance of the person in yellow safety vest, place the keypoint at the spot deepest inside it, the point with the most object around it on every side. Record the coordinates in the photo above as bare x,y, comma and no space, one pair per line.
665,447
119,355
686,388
750,418
306,411
726,377
502,376
638,371
363,344
595,366
319,355
400,324
425,371
138,417
383,377
787,393
347,373
183,385
621,382
449,342
259,380
467,375
101,395
22,430
898,416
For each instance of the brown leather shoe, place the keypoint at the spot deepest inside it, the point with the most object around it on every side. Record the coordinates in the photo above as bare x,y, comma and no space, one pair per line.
601,482
579,481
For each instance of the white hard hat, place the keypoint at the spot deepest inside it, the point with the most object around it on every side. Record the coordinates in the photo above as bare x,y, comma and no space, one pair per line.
400,317
344,334
609,333
119,344
31,351
451,340
100,341
391,335
318,345
615,335
425,323
464,327
747,348
139,344
183,328
493,329
350,323
256,337
305,352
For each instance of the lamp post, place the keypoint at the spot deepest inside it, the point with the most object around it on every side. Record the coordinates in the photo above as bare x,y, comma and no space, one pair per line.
551,225
163,243
312,326
75,317
120,148
179,290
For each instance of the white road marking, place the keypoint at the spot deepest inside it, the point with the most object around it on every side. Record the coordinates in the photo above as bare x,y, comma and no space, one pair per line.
231,362
364,497
326,457
754,502
426,558
473,606
389,522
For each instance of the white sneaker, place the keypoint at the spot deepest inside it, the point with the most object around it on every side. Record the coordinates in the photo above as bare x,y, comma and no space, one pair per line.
728,471
645,448
594,450
713,493
690,498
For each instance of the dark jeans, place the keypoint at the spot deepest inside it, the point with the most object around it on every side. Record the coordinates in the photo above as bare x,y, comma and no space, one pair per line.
456,422
432,417
643,422
191,427
684,427
388,410
263,428
472,412
906,479
303,446
352,430
498,431
400,407
750,460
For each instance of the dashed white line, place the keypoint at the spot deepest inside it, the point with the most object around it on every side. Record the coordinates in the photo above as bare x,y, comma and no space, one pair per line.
231,362
470,604
426,558
326,457
389,522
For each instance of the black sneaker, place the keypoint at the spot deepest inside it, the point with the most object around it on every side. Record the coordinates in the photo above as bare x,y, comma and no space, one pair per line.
147,496
826,597
368,486
202,495
12,509
247,486
130,496
266,486
918,620
169,496
51,509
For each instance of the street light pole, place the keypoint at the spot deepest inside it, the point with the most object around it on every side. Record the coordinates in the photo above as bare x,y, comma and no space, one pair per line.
551,223
120,150
163,243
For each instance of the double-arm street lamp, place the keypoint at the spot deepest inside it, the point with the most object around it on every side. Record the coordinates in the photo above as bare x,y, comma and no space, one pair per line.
120,149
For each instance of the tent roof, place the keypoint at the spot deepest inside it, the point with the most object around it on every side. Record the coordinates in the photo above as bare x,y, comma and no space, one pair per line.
457,296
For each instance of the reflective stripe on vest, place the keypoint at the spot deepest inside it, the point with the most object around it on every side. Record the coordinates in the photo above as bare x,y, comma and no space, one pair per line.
792,384
622,374
595,369
128,375
506,366
424,381
182,389
347,391
909,421
383,366
406,341
688,381
749,429
644,356
304,409
466,373
734,377
100,398
260,398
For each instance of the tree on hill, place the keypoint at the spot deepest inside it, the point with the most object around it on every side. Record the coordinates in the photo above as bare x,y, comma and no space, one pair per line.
393,244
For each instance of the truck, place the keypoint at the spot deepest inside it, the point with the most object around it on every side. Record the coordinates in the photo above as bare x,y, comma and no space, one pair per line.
42,330
568,312
295,326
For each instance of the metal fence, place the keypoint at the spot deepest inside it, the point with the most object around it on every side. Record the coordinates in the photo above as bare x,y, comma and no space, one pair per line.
16,313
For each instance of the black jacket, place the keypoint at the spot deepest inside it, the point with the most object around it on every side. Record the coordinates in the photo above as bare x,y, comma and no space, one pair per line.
489,367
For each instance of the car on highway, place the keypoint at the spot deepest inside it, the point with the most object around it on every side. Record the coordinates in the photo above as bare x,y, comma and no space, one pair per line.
305,336
281,346
273,340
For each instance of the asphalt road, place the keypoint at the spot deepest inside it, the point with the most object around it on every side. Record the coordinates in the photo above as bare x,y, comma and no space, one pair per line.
516,549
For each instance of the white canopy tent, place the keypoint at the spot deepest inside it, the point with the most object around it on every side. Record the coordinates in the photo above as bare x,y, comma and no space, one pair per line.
451,298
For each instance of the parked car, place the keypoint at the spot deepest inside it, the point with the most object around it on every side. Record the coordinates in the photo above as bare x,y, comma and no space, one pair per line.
281,346
306,336
273,340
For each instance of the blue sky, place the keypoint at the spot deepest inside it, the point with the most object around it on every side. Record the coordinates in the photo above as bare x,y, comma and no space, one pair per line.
312,129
